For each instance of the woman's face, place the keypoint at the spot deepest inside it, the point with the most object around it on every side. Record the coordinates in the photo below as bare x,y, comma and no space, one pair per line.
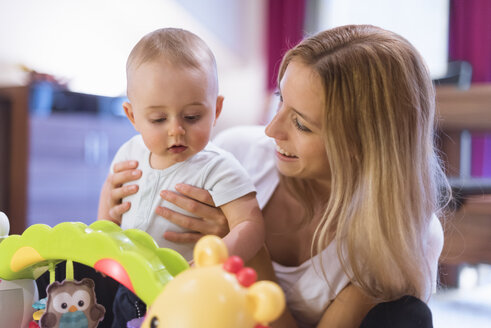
296,126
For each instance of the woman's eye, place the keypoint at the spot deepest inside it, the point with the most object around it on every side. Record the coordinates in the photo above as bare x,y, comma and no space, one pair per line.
300,126
278,94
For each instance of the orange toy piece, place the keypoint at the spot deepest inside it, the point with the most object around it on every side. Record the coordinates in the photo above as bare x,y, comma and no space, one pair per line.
216,293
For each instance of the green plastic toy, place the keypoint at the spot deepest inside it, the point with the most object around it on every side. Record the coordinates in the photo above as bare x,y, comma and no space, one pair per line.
130,257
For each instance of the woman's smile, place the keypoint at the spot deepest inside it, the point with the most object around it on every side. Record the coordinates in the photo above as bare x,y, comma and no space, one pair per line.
283,154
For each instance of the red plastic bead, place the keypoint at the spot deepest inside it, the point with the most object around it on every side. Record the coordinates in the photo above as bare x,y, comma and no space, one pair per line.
33,324
233,264
246,277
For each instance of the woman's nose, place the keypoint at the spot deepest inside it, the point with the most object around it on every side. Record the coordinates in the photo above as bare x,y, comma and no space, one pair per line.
176,129
276,128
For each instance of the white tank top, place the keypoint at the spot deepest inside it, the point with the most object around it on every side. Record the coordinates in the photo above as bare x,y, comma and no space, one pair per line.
307,292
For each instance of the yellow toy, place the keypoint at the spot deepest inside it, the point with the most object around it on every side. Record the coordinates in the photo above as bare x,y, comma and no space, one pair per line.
216,293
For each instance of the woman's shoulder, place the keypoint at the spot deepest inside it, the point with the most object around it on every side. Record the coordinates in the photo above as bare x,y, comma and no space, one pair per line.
435,236
255,152
249,145
246,136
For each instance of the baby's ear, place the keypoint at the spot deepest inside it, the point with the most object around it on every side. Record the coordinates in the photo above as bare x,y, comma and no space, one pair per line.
128,110
218,108
266,301
210,250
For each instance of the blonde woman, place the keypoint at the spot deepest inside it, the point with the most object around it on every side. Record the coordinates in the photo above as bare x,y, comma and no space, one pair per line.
347,179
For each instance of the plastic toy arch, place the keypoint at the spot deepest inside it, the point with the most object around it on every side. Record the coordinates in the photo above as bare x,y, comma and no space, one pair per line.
130,257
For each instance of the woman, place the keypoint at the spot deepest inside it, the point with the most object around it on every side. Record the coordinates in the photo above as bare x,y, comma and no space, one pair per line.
350,195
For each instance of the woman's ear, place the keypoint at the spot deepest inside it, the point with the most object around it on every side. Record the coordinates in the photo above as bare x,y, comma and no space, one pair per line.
128,110
218,108
266,301
210,250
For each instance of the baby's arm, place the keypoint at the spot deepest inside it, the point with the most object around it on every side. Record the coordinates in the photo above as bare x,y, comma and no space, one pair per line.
246,224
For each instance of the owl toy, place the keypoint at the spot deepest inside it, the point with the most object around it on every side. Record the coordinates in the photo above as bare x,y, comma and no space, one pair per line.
72,304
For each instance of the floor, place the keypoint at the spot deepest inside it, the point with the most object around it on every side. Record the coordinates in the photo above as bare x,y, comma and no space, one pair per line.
459,308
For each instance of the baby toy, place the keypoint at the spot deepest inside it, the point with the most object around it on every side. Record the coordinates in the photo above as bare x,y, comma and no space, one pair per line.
16,299
16,296
4,226
130,257
72,304
216,293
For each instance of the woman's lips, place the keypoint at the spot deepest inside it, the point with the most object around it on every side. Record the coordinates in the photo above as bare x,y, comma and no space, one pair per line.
284,153
285,158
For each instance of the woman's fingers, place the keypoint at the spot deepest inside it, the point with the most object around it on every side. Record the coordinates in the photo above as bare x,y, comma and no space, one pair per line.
119,193
207,220
202,226
111,206
117,211
182,237
197,208
198,194
117,179
125,166
124,172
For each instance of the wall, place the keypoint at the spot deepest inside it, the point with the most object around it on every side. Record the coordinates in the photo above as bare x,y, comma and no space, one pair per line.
87,42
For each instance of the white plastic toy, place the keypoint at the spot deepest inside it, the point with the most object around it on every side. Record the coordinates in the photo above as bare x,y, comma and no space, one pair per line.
4,226
16,296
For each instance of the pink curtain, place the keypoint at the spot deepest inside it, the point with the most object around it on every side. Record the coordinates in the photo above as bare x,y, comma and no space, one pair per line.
285,20
470,36
470,40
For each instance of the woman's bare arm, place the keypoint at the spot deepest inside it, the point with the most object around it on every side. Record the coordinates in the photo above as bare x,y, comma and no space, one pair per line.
348,309
264,269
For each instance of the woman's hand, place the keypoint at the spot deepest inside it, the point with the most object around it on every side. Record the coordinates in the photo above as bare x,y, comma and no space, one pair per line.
111,206
210,219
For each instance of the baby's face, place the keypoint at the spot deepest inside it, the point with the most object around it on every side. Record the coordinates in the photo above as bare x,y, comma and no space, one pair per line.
173,108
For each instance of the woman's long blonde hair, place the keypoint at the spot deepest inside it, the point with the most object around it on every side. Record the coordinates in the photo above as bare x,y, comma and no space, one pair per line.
378,129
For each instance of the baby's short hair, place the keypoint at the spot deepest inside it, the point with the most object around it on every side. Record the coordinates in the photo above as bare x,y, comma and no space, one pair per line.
179,46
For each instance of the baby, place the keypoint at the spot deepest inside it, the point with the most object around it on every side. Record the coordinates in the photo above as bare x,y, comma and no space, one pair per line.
173,103
172,88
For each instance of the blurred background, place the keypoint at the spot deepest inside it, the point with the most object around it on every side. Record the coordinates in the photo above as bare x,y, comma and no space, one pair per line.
62,83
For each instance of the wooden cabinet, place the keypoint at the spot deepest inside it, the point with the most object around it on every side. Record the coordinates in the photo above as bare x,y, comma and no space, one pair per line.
52,167
14,155
468,230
